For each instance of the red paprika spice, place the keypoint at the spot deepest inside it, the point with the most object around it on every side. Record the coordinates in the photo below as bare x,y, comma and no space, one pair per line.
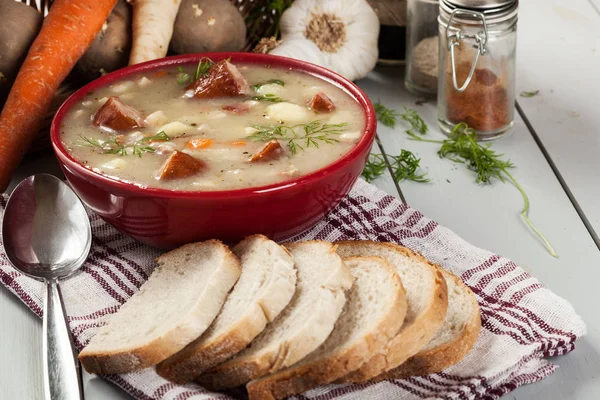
484,105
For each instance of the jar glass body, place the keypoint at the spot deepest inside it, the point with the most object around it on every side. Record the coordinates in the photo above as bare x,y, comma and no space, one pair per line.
487,102
421,73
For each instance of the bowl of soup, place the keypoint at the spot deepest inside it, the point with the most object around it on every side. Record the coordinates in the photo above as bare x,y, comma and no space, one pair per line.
214,145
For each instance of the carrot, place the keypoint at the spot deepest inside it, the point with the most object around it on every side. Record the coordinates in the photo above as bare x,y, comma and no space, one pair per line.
238,143
66,34
199,143
160,73
152,29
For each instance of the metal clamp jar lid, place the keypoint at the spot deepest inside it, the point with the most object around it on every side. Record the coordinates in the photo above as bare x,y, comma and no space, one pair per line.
477,63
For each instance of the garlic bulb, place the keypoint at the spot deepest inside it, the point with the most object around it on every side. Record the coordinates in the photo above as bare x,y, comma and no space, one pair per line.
340,35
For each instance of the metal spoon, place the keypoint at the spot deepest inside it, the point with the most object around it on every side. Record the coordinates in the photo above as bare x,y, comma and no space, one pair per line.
47,236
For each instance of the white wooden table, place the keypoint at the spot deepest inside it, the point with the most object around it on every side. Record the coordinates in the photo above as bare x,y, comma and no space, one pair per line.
556,147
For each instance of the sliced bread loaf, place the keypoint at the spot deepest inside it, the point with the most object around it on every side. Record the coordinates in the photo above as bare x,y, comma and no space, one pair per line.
427,298
172,308
267,284
302,326
453,340
373,314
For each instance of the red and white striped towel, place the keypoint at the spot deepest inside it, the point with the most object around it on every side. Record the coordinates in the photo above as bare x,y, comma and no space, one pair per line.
523,322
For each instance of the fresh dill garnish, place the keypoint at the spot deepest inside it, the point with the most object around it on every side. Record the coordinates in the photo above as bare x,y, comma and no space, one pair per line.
415,121
183,78
270,81
298,136
374,168
204,65
404,166
112,145
462,146
530,94
268,97
388,117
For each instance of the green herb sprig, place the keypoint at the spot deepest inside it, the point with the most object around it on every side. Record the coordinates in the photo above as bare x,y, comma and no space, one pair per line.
204,65
404,166
112,145
279,82
389,117
297,137
268,97
530,94
462,147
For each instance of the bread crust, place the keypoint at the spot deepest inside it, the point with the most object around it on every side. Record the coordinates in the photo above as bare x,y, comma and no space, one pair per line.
133,359
413,337
439,358
199,356
325,370
238,372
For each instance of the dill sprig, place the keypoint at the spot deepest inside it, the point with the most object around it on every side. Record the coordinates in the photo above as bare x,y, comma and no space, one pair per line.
389,117
404,166
530,94
270,81
385,115
268,97
462,147
297,137
204,65
112,145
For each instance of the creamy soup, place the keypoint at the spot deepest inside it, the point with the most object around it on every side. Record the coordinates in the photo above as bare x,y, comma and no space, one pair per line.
235,126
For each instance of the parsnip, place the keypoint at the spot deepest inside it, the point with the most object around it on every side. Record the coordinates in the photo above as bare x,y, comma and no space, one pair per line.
152,28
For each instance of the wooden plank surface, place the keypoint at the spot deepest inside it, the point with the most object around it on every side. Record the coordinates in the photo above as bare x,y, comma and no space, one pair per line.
559,54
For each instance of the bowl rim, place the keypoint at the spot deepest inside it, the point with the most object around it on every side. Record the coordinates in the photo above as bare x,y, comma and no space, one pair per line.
367,138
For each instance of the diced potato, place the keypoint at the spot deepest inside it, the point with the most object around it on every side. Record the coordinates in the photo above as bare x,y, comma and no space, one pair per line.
175,128
87,103
350,136
123,87
157,118
288,112
143,81
117,163
270,88
103,100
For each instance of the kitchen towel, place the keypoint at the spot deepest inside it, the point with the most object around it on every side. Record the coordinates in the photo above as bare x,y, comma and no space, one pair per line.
522,321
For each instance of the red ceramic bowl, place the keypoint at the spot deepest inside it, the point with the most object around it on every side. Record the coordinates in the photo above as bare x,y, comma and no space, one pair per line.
167,218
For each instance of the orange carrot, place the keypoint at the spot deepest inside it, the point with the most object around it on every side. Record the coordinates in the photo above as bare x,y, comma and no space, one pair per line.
160,73
238,143
199,143
66,34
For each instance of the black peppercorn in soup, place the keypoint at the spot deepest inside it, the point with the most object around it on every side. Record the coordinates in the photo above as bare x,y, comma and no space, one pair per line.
215,127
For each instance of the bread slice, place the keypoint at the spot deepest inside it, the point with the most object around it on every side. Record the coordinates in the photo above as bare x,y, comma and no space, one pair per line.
427,298
373,314
172,308
302,326
267,284
453,340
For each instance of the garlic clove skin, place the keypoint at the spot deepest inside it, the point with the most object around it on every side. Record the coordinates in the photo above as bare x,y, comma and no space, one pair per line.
341,35
300,49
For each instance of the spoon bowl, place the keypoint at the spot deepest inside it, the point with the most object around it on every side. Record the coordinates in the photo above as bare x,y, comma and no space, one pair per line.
47,235
46,229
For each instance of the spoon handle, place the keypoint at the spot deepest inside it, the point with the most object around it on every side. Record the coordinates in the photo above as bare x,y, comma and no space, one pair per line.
62,377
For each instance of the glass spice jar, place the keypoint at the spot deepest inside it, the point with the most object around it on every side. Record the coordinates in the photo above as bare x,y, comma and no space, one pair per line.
476,80
422,47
